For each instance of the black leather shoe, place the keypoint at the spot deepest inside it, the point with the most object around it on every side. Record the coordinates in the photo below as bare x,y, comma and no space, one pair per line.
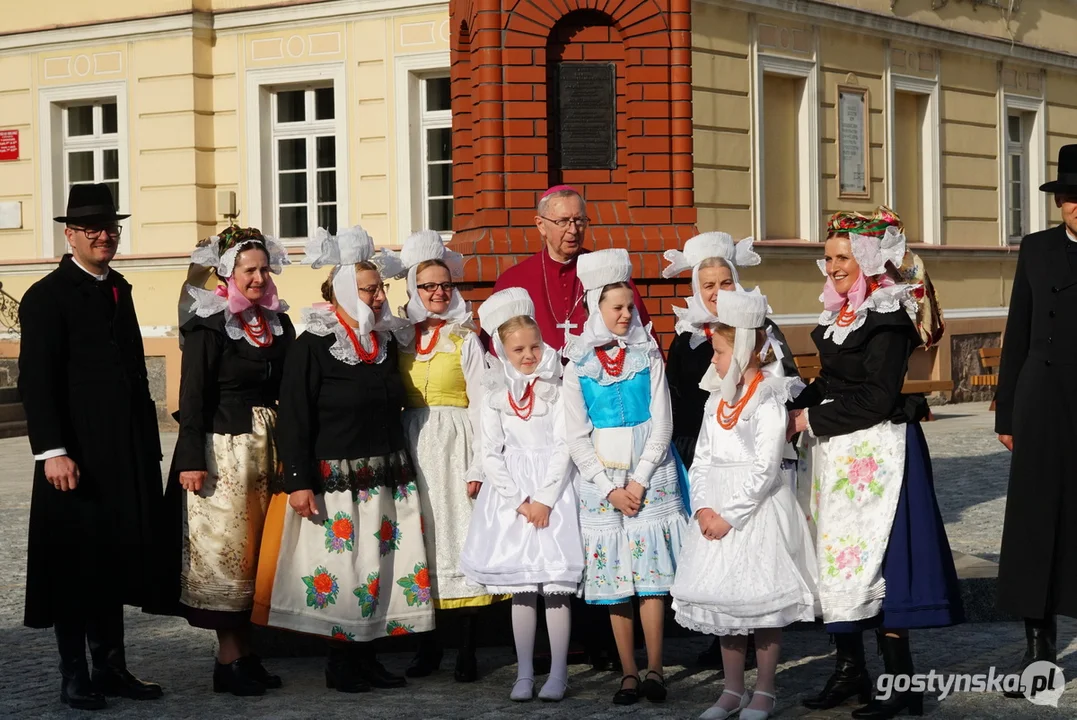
342,673
1040,639
236,678
850,678
897,659
257,671
119,682
427,660
376,674
627,695
78,693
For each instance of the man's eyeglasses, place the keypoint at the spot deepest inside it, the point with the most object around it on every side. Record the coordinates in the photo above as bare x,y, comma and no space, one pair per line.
446,287
563,222
374,289
96,233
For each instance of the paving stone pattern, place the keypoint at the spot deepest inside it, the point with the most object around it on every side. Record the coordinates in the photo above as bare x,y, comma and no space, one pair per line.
970,470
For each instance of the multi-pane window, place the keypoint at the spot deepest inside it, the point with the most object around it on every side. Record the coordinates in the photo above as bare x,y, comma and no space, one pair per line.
1017,181
435,120
305,160
91,145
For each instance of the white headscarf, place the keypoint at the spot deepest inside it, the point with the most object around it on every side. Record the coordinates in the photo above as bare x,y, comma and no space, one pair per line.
343,251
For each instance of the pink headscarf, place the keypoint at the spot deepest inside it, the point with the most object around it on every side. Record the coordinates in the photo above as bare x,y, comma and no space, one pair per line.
237,302
858,293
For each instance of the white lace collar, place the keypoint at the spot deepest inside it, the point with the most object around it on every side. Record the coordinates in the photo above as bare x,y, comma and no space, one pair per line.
208,303
501,379
884,300
322,321
773,385
406,338
637,359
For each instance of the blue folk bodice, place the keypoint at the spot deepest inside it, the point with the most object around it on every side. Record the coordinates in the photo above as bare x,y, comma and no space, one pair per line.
620,404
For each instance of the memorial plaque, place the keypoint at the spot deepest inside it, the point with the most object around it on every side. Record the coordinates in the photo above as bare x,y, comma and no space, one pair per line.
587,116
853,148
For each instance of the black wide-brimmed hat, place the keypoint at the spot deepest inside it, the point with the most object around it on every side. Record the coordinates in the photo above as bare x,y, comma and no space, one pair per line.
90,203
1067,172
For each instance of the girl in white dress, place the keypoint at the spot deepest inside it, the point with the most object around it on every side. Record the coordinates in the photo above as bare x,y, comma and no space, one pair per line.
524,538
747,565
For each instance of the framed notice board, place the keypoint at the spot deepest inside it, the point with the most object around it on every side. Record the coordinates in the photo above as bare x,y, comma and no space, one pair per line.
854,153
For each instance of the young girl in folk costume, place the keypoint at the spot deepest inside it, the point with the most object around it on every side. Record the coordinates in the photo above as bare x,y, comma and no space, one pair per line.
618,422
235,341
525,537
713,258
441,363
345,558
884,560
749,565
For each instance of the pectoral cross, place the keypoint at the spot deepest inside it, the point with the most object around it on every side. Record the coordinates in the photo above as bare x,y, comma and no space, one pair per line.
567,326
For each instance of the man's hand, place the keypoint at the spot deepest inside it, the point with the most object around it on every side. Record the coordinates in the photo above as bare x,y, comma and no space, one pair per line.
62,473
1007,441
192,479
539,514
302,501
623,501
473,488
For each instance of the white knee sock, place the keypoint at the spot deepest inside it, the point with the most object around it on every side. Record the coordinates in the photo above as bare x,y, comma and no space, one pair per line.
559,624
524,620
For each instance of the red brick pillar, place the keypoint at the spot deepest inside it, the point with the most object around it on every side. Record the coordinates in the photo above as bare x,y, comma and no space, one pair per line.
503,55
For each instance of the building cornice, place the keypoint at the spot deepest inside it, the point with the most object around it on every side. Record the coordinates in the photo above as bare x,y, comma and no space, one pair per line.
333,9
165,25
891,27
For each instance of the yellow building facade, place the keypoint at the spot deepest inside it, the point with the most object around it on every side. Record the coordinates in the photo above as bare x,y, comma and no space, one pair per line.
335,112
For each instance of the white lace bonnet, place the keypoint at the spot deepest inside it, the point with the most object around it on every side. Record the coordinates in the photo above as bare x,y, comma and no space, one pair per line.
209,255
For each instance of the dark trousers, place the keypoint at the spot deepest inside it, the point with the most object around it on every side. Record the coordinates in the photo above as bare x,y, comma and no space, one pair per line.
101,627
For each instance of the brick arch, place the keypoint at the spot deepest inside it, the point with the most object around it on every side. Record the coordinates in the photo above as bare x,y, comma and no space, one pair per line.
640,23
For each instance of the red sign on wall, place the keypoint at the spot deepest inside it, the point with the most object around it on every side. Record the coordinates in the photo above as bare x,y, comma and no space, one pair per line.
9,144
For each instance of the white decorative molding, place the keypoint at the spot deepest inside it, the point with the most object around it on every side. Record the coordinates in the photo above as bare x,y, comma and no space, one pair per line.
127,30
1037,161
260,179
931,180
296,46
417,34
331,9
807,145
51,192
408,70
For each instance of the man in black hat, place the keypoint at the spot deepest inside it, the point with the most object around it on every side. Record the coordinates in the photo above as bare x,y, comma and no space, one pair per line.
97,495
1036,419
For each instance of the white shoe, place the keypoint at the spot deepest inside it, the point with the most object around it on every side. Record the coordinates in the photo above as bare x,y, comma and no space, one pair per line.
523,690
752,714
553,690
715,712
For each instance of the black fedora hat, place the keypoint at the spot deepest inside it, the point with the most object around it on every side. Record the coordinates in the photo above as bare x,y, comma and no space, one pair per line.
90,203
1067,172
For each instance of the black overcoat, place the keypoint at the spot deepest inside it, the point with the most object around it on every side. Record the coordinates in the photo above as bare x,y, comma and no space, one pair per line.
82,377
1036,403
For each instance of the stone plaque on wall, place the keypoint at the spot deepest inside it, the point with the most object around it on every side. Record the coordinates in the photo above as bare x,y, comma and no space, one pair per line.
586,116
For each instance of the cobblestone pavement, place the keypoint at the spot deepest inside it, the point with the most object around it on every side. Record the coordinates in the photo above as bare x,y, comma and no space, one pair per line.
970,470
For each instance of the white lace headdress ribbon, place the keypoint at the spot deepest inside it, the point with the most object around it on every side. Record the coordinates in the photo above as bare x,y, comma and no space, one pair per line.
420,247
210,256
745,311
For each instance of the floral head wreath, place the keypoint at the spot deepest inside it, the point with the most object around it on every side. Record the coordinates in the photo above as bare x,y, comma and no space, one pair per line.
220,252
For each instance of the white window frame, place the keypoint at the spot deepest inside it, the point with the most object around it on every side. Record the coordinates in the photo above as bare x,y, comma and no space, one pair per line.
808,179
309,130
411,137
261,148
1035,137
931,180
51,144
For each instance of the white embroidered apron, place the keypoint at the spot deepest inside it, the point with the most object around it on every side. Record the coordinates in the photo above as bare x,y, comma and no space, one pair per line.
855,486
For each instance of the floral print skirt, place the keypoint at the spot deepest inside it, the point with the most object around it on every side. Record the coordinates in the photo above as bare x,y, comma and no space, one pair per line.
222,524
357,570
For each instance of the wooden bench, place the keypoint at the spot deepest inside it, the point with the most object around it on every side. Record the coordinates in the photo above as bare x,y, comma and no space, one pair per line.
810,367
990,359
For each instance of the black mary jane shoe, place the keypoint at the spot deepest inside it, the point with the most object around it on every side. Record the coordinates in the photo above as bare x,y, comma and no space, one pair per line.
236,678
78,693
257,670
115,681
627,696
653,687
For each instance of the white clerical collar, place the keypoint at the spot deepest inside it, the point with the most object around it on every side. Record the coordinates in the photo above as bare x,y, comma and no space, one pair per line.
97,277
1070,236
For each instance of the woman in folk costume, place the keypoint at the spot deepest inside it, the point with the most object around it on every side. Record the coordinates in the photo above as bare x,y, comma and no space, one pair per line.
343,554
619,428
713,258
234,343
884,560
748,567
441,363
524,538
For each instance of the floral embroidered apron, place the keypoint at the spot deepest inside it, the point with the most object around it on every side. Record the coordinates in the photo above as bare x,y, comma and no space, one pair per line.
855,486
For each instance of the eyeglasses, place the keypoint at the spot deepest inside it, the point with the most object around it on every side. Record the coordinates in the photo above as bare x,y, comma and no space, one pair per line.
563,222
96,233
446,287
374,289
